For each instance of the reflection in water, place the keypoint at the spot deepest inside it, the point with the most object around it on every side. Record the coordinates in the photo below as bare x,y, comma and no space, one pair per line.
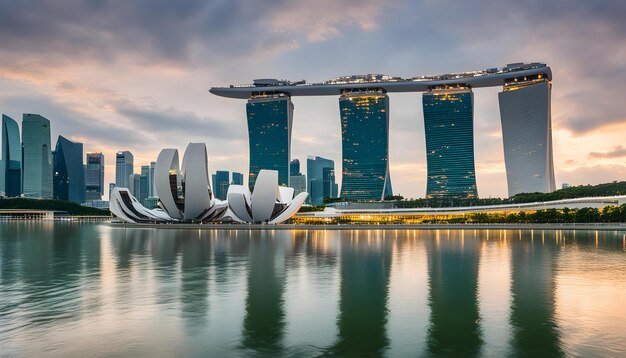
453,277
265,317
535,332
365,268
67,289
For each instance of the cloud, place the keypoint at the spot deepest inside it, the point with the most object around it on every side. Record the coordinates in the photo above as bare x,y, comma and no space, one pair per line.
617,152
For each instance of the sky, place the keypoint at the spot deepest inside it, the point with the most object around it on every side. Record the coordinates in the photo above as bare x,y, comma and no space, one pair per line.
134,75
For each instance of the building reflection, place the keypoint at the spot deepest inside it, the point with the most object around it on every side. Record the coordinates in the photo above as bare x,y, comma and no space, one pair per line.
365,270
533,260
453,263
264,321
196,256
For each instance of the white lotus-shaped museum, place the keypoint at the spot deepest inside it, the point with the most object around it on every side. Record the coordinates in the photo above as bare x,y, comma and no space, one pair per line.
185,195
268,203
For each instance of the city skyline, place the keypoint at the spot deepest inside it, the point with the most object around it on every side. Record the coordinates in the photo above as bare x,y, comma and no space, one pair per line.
119,97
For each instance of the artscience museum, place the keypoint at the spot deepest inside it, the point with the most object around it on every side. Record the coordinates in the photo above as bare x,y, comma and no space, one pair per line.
185,195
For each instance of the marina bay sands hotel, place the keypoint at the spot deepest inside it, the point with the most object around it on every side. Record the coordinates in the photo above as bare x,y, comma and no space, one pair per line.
448,105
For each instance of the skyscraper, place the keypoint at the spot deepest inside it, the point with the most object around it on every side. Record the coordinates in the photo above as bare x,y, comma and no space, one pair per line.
237,178
151,189
365,145
320,179
448,124
297,180
11,168
134,181
69,172
123,168
527,135
269,130
144,186
94,176
37,154
221,182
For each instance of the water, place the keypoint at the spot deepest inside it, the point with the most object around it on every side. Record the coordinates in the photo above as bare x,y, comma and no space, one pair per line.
75,290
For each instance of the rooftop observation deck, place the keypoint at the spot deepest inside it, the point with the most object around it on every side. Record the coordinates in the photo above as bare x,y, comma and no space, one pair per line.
492,77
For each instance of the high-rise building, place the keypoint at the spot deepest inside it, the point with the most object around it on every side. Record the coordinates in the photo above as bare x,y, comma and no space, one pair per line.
134,181
123,168
294,167
221,181
151,189
297,180
269,131
449,129
237,178
11,168
527,135
320,179
144,184
69,171
37,157
111,186
365,145
94,176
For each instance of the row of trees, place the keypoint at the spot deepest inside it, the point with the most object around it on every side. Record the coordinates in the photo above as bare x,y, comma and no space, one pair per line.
56,205
582,191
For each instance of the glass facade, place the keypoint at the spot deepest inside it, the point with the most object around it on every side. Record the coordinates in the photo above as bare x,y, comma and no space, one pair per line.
94,176
37,157
221,182
144,186
320,180
237,178
269,130
448,124
294,167
124,162
69,172
365,145
11,170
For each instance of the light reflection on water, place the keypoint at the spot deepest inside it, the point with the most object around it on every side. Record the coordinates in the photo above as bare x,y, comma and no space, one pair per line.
68,289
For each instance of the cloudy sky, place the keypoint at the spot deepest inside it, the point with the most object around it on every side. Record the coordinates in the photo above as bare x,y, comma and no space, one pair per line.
134,75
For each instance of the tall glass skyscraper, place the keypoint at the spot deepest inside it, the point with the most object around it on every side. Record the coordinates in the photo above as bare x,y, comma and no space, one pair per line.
94,176
221,182
269,130
151,189
123,168
449,128
11,168
37,154
320,180
237,178
144,186
69,172
365,145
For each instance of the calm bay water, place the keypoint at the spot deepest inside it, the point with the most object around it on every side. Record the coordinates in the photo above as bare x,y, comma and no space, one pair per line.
76,290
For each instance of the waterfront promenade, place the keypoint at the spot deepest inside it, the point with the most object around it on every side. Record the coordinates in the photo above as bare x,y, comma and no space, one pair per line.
550,226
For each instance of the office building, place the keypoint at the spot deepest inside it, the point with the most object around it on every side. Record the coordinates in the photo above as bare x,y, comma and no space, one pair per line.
11,165
37,157
297,180
134,181
69,171
449,129
94,176
221,182
151,190
124,163
144,184
321,180
269,132
365,145
237,178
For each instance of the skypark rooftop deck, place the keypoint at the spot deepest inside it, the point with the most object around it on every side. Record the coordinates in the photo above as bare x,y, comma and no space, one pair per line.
473,79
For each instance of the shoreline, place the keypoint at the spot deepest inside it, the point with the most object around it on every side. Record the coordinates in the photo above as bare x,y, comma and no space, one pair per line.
262,227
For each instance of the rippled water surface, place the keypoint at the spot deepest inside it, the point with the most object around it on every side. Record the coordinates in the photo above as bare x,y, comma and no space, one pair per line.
75,290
